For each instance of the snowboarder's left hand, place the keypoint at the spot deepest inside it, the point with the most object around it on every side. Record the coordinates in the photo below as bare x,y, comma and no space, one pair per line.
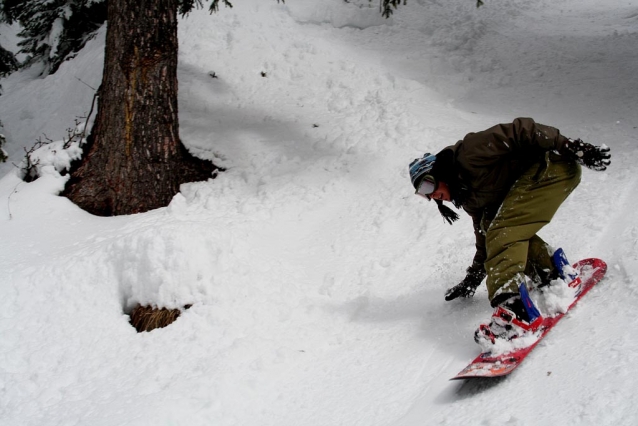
467,287
591,156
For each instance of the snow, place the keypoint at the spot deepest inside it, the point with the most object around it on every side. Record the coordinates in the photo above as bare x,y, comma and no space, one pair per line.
316,276
54,36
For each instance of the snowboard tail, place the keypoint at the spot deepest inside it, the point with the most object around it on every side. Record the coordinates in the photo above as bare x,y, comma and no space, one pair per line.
591,271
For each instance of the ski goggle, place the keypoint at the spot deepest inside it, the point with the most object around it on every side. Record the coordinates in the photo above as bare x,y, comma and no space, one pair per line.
426,187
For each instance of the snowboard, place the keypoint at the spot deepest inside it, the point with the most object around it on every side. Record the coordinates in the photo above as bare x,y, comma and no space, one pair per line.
591,271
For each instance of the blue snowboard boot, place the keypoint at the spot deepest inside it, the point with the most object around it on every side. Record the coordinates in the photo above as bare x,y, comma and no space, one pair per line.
565,270
512,319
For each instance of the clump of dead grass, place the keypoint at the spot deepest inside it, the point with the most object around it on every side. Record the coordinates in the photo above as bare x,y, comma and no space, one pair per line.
147,318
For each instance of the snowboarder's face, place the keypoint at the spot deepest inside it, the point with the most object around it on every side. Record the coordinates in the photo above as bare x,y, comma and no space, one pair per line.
442,192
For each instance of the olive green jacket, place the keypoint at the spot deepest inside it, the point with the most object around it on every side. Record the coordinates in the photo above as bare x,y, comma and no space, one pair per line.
488,163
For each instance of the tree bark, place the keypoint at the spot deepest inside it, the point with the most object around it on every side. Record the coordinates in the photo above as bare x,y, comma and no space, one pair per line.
134,160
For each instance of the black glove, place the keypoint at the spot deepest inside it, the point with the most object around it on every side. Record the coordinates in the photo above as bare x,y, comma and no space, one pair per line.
467,287
594,157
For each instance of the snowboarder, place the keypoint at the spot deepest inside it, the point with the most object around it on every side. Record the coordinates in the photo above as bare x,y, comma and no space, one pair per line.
510,179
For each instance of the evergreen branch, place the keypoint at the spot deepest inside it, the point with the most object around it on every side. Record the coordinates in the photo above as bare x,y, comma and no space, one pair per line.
214,6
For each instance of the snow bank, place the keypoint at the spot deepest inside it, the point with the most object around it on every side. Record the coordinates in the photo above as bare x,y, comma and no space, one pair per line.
359,14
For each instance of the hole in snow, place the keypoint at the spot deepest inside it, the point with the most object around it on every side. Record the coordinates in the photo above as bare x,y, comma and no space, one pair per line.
147,318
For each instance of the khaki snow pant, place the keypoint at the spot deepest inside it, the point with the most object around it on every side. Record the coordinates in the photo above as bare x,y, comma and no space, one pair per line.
513,248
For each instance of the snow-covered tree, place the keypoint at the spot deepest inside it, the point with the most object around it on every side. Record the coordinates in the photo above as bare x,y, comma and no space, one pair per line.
134,160
8,62
54,30
3,154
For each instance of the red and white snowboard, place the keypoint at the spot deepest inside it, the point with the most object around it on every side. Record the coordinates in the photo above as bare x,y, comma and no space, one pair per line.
489,365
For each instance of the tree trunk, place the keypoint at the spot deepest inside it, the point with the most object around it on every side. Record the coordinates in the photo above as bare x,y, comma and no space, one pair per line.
134,160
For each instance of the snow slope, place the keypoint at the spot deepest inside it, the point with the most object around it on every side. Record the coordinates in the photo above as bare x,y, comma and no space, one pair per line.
316,277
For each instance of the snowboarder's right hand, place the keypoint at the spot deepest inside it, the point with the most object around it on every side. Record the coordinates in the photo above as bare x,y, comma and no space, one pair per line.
467,287
588,155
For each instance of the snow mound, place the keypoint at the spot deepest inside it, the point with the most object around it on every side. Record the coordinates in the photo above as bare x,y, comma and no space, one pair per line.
359,14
